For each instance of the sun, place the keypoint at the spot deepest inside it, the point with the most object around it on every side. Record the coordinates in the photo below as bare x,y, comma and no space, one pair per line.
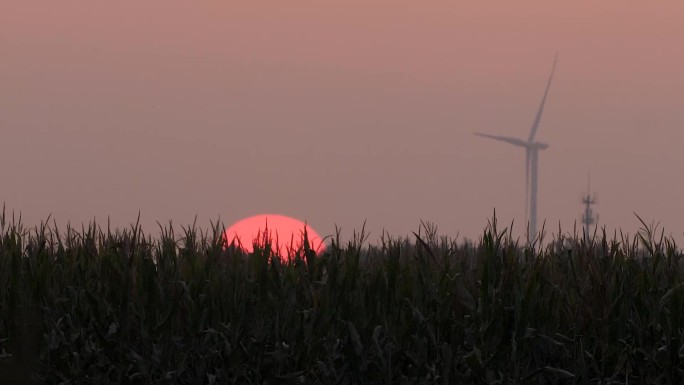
285,233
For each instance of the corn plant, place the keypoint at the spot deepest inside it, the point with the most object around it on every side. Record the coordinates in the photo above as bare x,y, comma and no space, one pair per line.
116,306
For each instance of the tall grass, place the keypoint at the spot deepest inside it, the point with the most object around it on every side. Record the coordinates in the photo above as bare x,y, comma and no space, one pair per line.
101,306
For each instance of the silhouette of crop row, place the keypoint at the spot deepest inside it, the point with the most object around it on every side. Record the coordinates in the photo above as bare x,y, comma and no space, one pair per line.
96,306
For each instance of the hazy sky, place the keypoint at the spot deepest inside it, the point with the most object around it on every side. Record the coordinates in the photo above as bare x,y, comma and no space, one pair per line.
340,111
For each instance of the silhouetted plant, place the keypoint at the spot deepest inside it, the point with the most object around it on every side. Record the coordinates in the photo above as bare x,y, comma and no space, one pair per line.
96,306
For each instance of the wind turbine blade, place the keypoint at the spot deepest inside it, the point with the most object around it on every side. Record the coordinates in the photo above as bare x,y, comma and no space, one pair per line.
515,141
537,119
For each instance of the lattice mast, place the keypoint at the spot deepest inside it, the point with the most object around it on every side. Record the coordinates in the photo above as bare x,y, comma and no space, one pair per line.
588,218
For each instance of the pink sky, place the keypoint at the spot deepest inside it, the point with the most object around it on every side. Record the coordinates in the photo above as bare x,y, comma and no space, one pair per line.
340,111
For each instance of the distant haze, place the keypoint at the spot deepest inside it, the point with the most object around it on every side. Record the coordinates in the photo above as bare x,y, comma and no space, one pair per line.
340,111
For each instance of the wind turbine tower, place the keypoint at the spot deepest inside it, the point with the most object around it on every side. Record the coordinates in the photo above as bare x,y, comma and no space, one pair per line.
532,148
588,217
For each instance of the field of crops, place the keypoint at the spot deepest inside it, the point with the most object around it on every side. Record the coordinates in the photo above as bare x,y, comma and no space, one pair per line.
98,306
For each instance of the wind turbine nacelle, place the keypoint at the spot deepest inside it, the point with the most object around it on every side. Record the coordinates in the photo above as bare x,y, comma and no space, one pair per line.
539,145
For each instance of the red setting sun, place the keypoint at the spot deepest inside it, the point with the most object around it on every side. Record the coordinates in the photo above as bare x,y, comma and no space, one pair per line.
284,232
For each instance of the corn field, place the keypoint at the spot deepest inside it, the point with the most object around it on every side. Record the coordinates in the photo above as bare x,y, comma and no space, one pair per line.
102,306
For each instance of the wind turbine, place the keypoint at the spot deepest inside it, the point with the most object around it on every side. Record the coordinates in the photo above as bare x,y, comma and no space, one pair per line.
531,162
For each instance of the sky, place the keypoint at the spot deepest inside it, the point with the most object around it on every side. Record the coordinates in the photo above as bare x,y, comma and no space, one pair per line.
340,112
